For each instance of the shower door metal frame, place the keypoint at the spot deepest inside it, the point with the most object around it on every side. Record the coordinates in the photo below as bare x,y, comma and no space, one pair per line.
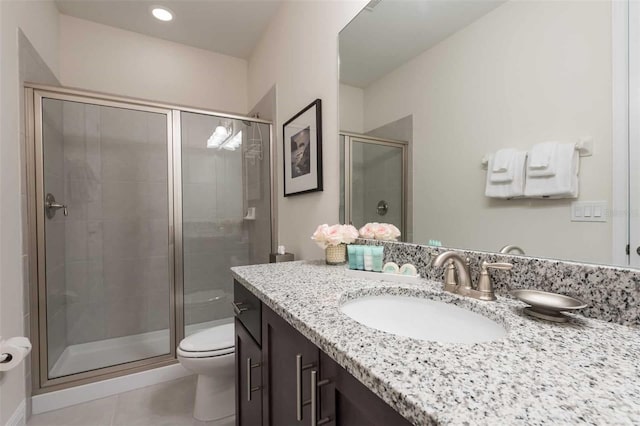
349,138
34,95
38,256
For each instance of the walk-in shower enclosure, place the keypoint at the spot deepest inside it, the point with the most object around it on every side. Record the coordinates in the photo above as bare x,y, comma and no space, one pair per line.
136,212
373,181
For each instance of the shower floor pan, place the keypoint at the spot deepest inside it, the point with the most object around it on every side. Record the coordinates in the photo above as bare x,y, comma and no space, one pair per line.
105,353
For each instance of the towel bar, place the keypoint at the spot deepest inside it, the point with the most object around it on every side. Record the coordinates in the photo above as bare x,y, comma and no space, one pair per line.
584,147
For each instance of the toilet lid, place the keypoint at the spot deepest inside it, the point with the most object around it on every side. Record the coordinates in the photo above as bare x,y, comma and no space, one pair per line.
211,339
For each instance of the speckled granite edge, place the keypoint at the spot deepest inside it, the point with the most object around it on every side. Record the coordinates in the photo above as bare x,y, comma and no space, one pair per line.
583,371
612,293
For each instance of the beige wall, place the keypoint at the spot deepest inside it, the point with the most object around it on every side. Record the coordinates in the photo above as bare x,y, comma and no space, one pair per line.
39,22
525,73
351,106
299,54
106,59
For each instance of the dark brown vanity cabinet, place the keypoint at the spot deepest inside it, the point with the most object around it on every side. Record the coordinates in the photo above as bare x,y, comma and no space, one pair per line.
289,360
346,401
248,378
293,382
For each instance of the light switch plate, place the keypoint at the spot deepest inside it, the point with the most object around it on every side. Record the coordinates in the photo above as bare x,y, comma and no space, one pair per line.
589,211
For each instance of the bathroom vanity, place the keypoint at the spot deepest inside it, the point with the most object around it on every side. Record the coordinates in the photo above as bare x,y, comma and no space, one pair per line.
285,379
291,335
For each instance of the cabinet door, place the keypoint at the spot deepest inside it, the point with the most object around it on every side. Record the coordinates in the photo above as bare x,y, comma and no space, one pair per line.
347,402
248,379
289,359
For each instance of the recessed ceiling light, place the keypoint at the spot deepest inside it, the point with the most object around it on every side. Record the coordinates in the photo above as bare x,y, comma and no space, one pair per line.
162,13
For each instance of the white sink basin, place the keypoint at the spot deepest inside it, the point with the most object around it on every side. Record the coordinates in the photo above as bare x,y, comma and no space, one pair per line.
423,319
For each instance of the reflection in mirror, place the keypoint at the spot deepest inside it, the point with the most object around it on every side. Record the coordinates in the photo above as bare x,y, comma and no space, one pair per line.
372,176
473,77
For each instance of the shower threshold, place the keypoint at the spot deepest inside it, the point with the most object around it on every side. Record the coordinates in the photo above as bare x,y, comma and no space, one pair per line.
120,350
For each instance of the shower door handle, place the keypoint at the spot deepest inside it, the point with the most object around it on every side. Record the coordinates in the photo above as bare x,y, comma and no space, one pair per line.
382,208
51,206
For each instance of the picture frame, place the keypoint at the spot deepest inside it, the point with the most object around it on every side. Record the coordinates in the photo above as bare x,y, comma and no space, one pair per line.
302,149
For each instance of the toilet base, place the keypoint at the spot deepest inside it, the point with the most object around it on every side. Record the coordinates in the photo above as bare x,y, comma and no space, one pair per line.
213,400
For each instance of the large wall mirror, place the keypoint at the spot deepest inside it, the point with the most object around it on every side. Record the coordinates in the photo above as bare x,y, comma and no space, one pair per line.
457,80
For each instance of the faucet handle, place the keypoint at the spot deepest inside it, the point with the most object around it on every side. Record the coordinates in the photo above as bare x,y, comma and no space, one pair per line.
485,286
450,280
500,265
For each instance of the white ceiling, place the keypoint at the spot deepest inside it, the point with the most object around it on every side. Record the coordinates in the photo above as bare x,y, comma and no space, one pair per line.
231,27
377,42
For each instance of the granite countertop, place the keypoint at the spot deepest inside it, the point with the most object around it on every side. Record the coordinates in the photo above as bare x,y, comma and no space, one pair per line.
583,371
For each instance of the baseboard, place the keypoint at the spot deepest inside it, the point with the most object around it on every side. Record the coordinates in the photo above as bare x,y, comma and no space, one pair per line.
76,395
18,418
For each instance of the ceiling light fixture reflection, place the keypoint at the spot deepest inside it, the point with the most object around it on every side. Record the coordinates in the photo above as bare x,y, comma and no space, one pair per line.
217,138
233,143
162,13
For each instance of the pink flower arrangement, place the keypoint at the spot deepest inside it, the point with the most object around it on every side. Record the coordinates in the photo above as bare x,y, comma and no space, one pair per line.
334,235
380,231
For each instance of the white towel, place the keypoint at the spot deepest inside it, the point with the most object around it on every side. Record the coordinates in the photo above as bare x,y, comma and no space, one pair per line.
564,183
513,188
502,169
542,159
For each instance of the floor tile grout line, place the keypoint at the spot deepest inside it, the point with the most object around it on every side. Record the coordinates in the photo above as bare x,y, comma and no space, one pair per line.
115,410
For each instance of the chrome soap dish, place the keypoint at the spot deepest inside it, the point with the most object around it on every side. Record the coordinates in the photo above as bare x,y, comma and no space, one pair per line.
547,306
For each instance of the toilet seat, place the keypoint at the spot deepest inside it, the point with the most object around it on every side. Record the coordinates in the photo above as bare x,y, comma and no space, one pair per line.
207,354
212,342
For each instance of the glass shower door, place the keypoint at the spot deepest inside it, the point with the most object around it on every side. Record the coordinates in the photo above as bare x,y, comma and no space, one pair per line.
226,210
104,216
373,181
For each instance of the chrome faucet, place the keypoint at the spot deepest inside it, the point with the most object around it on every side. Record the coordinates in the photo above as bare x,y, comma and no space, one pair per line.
458,279
511,249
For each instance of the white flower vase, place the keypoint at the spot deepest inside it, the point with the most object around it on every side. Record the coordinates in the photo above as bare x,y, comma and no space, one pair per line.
336,255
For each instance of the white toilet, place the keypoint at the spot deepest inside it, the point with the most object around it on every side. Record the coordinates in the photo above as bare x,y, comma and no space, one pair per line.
210,354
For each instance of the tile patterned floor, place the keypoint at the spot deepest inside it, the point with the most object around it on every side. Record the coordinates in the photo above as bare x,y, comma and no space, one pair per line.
166,404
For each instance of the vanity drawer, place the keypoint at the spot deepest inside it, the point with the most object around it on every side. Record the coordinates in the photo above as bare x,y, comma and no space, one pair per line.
248,310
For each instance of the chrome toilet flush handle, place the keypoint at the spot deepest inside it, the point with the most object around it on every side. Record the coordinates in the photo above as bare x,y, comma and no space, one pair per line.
237,307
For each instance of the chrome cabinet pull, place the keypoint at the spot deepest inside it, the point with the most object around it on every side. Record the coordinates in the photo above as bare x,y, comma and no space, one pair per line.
250,388
315,384
299,369
237,309
51,206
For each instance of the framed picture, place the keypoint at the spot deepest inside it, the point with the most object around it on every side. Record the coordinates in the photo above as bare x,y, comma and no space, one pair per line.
302,140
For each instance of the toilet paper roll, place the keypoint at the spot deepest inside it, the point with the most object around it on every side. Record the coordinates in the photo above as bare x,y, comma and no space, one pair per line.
17,348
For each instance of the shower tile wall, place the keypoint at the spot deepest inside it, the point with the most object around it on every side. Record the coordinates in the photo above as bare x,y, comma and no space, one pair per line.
401,130
117,276
376,175
215,234
52,123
